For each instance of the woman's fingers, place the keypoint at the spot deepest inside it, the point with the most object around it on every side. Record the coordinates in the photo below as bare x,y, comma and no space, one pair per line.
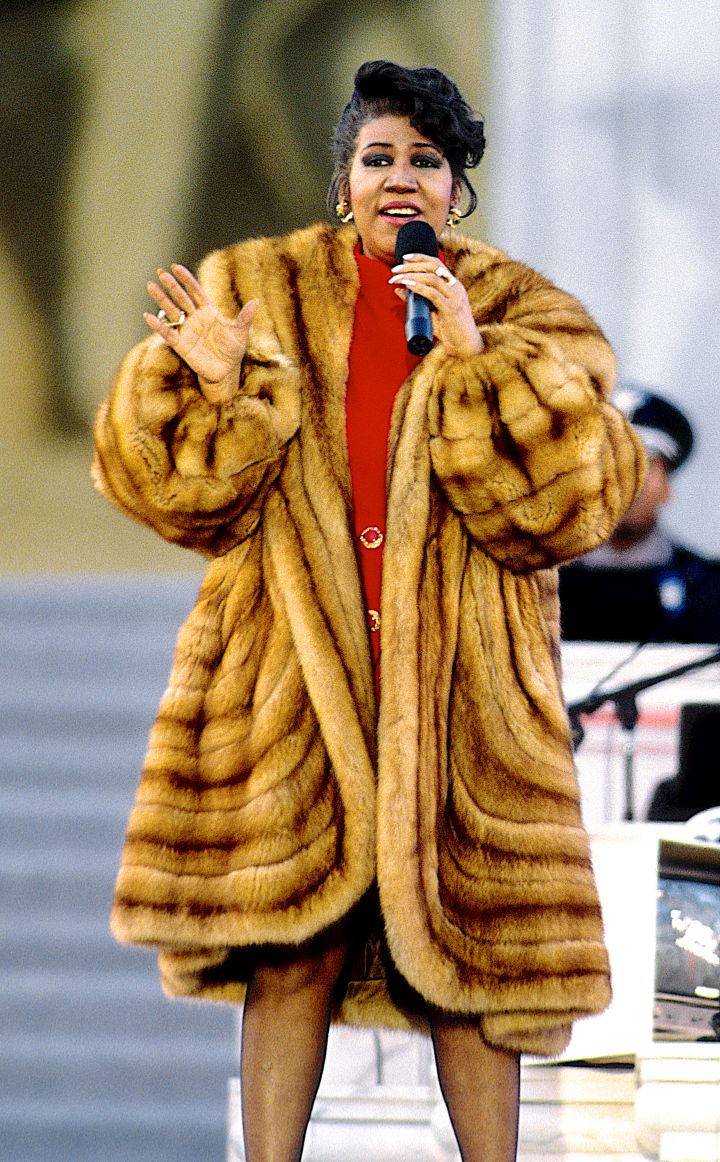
176,292
245,318
427,264
211,344
454,326
186,280
162,328
431,286
180,292
173,310
429,273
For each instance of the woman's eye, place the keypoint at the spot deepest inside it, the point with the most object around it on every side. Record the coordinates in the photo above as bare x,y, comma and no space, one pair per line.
420,161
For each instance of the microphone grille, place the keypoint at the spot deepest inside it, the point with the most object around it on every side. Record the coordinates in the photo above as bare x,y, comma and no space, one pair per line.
416,238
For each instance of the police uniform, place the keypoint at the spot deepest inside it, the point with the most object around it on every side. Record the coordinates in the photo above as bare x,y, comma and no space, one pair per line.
656,590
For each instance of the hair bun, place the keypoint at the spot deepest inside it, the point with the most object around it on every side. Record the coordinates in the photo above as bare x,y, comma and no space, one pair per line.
433,102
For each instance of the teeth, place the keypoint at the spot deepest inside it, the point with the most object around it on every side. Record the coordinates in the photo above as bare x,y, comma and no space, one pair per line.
405,212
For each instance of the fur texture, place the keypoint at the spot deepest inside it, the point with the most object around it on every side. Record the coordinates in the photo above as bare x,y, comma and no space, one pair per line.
273,798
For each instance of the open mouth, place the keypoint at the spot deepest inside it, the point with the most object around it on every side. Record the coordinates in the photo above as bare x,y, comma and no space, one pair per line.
399,213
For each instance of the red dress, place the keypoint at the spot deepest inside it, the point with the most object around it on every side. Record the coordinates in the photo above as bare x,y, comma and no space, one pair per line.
379,363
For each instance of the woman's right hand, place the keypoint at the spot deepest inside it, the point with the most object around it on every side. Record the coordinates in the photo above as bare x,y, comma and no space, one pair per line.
212,345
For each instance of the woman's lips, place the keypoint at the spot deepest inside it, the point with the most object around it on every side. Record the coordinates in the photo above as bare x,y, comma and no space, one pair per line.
399,212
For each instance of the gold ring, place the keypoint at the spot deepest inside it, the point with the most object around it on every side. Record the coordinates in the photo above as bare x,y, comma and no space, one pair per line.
178,323
443,273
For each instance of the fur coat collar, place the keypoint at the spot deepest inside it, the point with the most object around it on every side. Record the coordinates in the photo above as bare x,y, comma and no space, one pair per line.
276,797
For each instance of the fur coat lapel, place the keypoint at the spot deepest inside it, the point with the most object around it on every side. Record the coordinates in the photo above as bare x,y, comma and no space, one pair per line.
315,484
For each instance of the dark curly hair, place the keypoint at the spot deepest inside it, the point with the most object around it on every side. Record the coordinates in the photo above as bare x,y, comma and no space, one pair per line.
435,107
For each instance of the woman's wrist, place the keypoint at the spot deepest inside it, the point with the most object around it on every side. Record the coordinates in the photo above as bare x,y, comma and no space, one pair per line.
472,345
222,390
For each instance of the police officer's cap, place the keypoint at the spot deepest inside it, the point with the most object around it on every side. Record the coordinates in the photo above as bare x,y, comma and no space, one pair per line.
662,427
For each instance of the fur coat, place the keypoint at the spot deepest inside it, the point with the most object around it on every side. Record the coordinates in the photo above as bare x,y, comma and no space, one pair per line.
276,797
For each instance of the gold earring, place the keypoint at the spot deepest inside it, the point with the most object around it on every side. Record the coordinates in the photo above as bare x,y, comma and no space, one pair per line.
344,212
453,217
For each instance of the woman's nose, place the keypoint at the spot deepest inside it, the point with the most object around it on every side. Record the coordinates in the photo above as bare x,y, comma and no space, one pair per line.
401,177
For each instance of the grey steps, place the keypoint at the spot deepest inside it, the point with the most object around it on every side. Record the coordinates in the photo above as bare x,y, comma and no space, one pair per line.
120,1062
124,1007
161,1134
61,761
84,882
96,1062
42,943
90,820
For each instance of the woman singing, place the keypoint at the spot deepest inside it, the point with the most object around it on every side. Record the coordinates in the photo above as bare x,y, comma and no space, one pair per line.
321,832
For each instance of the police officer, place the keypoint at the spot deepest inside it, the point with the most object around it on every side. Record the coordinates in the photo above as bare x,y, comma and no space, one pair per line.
642,586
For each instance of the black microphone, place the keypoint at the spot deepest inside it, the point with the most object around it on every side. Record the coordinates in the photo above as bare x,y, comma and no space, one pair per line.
417,238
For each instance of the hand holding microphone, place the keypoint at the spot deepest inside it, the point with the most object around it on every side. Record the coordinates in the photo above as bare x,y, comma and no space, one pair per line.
417,238
437,305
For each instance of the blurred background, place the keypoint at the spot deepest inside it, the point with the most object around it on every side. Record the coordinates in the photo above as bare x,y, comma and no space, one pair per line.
133,135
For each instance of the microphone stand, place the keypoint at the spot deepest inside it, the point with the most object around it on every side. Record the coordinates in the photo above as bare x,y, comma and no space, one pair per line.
624,699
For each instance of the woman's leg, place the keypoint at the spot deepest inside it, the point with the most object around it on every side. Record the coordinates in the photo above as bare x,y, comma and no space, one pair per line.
481,1088
284,1038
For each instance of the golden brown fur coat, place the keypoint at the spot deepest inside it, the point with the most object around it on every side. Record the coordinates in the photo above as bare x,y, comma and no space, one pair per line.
273,797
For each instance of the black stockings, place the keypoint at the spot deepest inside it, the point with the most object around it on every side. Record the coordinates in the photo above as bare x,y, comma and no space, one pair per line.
284,1041
481,1088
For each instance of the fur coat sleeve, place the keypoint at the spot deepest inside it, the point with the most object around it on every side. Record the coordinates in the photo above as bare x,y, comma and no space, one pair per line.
196,472
274,796
523,441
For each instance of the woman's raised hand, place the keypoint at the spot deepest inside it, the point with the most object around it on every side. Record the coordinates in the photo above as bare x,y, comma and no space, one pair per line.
210,343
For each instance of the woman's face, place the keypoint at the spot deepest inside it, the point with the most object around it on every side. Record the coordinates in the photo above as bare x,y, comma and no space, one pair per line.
397,175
